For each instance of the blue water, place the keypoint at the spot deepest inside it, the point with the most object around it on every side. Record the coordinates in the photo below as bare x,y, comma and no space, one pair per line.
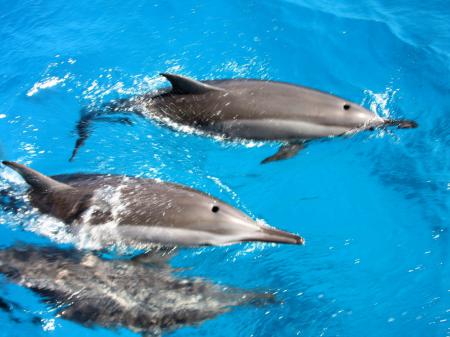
374,208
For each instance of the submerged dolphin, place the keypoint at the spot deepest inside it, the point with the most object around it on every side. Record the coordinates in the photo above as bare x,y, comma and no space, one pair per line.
140,211
119,293
247,109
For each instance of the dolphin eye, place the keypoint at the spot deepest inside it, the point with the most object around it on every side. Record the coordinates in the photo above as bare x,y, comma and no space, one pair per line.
346,106
215,209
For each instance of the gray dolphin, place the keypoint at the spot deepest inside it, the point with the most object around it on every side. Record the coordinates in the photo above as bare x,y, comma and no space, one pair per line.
142,211
247,109
120,293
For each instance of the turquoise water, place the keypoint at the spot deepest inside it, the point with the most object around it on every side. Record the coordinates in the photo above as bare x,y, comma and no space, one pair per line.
374,208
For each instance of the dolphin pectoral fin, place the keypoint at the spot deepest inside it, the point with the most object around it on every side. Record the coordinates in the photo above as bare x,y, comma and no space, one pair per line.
285,152
185,85
158,257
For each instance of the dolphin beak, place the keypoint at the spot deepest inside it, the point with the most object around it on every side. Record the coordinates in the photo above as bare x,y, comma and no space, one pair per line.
401,123
407,124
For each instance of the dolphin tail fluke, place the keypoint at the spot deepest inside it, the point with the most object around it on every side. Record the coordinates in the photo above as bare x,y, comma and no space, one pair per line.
79,143
83,131
401,123
285,152
84,125
269,234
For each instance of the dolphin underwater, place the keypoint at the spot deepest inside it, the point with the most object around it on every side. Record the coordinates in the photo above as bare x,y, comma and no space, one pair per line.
246,109
144,211
120,293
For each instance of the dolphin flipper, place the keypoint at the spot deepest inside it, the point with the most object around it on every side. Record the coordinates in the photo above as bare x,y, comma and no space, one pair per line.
158,257
185,85
285,152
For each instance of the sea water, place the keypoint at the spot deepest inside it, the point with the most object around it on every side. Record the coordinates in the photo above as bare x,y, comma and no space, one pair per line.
373,208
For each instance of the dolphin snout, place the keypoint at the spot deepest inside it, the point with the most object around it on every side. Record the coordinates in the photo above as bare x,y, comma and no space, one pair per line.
407,124
401,123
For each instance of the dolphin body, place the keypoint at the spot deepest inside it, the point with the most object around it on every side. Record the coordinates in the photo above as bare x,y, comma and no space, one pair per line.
119,293
137,211
247,109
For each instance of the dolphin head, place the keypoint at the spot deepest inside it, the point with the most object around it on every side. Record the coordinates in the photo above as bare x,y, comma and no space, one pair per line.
342,112
208,213
214,222
360,117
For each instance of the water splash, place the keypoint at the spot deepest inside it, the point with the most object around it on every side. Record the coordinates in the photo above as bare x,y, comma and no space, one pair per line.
381,102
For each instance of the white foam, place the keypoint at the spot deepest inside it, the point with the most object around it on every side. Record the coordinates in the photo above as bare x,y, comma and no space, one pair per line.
50,227
45,84
379,102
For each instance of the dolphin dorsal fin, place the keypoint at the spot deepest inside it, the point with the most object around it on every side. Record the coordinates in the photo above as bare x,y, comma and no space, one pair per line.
36,180
186,85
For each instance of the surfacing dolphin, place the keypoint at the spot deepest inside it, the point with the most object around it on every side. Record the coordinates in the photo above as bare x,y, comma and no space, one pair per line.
137,211
246,109
120,293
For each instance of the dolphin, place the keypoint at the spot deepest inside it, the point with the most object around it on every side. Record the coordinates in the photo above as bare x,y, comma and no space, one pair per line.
139,211
246,109
119,293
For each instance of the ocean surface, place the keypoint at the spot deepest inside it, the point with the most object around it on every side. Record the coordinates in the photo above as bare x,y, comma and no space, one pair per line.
374,208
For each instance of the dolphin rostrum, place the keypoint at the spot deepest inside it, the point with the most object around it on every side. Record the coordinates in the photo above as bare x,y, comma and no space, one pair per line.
137,211
119,293
246,109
